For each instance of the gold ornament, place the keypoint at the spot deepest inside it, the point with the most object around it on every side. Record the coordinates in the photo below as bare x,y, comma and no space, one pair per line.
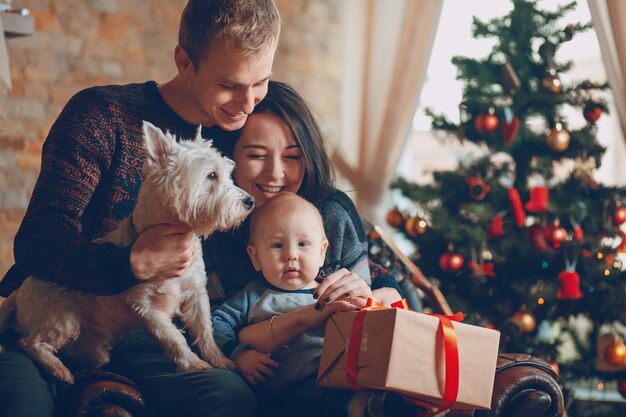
525,320
558,138
615,353
395,218
415,226
551,82
611,353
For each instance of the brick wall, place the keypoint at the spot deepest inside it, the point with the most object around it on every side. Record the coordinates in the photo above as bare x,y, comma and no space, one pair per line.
79,43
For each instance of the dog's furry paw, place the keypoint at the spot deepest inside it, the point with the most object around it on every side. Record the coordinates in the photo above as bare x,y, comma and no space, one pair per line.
62,374
224,363
194,365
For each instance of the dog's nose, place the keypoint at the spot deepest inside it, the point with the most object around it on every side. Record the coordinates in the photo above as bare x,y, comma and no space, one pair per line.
248,202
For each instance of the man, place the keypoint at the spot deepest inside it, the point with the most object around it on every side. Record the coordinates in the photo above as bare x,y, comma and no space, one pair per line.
90,175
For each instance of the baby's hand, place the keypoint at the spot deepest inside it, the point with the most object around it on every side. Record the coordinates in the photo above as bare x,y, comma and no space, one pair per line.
255,366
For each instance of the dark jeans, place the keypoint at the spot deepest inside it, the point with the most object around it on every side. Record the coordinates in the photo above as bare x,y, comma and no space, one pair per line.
305,399
27,391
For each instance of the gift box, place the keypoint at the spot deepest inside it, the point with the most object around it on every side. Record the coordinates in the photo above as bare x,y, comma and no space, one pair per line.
404,351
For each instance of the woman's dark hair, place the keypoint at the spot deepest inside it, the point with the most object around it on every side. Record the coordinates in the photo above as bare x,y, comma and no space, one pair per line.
284,102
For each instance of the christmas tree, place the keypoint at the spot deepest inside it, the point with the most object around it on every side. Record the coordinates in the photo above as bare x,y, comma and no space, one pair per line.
524,239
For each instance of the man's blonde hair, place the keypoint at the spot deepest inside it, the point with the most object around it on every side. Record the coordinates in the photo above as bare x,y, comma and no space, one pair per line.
245,25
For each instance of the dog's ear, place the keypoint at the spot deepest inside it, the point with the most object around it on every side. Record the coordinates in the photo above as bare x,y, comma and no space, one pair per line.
198,137
156,143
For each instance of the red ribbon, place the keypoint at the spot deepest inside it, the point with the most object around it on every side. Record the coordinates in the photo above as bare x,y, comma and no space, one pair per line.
451,353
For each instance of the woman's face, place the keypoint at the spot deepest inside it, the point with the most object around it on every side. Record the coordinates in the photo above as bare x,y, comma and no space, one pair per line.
268,159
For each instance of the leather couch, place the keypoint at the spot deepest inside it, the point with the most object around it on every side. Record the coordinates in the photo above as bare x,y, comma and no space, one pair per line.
525,386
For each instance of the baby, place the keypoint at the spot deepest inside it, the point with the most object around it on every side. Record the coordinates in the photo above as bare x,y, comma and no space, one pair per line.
287,244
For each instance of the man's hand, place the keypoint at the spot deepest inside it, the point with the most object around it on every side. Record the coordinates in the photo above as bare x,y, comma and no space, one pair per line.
162,252
255,366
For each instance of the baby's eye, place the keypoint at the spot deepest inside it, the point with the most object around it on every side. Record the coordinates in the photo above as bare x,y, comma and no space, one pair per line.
303,244
277,245
212,176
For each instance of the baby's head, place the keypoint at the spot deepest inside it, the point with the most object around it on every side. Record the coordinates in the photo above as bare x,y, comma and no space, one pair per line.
287,241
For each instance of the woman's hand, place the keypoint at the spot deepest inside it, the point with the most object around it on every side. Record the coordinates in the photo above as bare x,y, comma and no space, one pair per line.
255,366
342,285
287,328
163,252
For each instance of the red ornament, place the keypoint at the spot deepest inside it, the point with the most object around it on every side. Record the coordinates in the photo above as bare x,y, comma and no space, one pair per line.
496,227
619,216
485,269
451,262
509,130
592,113
536,236
569,286
621,387
539,199
622,246
555,234
486,123
578,234
478,189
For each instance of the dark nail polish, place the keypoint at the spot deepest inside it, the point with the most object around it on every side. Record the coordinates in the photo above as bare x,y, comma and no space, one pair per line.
318,306
327,300
347,294
319,280
315,295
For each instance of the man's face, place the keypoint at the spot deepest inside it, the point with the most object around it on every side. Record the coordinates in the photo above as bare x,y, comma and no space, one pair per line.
227,84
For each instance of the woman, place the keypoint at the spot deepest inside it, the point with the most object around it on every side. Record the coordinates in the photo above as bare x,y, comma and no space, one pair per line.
281,148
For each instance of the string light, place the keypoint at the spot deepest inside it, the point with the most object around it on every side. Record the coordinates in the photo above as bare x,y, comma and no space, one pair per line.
600,255
541,301
607,272
592,289
545,264
600,386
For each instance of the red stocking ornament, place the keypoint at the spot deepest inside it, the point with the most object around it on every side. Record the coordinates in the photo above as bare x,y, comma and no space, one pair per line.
510,126
518,211
496,227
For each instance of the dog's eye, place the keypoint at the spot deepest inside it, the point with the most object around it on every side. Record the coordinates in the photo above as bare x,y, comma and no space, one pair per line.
212,176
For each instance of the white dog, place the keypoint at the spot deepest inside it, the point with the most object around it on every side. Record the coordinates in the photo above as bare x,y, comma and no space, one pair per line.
185,182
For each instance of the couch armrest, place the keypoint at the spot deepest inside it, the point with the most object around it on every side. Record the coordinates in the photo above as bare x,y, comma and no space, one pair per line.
102,394
525,386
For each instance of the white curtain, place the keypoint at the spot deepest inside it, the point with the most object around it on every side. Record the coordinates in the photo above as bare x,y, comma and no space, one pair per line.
609,21
382,84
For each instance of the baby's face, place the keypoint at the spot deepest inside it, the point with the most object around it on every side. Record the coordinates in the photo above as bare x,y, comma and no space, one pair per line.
289,249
